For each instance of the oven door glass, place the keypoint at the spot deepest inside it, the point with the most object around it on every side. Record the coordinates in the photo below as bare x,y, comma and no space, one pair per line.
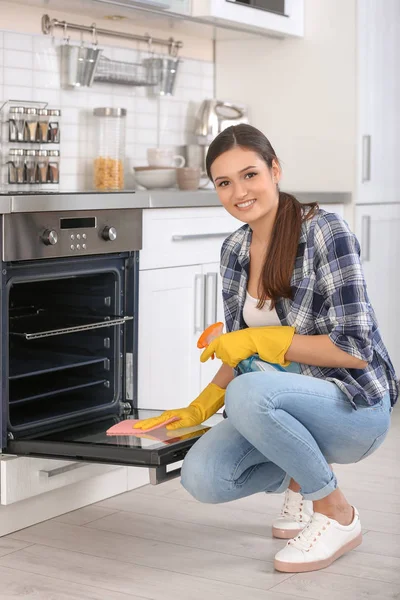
91,443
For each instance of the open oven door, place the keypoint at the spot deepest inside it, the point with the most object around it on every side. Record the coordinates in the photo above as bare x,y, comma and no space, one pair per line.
157,450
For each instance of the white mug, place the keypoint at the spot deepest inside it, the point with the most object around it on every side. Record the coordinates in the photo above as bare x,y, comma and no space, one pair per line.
164,157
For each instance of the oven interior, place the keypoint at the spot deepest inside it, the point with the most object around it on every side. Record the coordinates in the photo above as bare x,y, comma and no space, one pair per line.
66,342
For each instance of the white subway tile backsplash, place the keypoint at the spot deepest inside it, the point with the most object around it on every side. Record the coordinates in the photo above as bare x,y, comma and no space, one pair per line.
70,116
44,61
11,92
70,182
45,45
97,100
47,79
71,98
52,97
18,77
151,122
18,41
171,124
72,133
30,71
146,106
147,136
18,59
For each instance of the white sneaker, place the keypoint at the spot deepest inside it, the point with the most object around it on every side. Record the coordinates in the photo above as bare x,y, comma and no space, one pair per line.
320,543
295,514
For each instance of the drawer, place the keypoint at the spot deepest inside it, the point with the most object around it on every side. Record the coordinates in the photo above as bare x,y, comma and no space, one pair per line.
23,478
184,236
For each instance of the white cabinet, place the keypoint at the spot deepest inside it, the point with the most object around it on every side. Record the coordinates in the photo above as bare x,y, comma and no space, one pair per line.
379,101
169,306
377,228
175,305
252,16
23,478
179,295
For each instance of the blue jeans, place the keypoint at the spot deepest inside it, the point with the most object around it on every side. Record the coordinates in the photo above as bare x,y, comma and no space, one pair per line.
280,426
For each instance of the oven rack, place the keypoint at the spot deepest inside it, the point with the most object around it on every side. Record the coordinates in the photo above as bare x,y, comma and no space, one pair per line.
30,363
39,391
40,321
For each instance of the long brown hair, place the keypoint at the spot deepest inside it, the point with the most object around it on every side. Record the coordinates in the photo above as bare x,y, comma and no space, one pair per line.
282,250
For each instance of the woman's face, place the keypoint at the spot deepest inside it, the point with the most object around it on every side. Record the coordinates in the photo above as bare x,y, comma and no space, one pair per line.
246,186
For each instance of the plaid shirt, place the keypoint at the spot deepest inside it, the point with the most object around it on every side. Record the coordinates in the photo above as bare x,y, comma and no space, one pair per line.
329,296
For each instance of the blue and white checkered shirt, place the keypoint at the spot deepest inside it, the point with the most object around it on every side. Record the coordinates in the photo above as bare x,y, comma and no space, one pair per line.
329,296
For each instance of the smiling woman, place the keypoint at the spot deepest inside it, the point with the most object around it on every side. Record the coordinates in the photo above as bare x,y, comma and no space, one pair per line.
246,173
306,379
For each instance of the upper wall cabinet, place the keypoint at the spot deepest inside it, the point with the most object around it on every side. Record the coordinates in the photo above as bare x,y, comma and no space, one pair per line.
279,17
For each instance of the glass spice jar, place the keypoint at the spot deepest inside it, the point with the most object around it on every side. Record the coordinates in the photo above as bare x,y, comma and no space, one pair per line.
31,124
54,166
110,144
43,125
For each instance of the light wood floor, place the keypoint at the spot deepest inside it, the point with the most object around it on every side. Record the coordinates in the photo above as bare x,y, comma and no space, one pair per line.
158,543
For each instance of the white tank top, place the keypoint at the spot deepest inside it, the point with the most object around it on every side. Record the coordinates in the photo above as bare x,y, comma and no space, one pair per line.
259,317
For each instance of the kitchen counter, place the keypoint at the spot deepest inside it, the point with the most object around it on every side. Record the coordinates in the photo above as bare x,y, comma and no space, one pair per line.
66,201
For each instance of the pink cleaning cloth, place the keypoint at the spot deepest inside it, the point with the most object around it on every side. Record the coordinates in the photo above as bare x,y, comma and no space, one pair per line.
126,427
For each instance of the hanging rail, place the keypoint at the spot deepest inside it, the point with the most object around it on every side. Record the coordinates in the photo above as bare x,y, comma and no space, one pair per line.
49,24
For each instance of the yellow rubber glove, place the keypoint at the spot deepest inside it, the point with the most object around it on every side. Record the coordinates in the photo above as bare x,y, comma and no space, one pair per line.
270,343
210,400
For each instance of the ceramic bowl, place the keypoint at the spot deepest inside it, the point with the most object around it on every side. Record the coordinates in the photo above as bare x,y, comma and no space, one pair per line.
155,177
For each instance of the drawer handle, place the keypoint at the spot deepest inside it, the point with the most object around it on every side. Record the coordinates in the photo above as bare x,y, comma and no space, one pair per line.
61,470
200,236
211,298
366,158
199,302
365,238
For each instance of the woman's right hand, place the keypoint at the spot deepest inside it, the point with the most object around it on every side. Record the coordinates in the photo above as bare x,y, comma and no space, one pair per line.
206,404
188,417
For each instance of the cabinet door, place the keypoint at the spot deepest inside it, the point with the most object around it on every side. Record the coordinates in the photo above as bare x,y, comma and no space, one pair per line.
377,229
213,312
379,100
171,308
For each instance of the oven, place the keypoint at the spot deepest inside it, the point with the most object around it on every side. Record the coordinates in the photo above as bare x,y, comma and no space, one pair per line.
69,341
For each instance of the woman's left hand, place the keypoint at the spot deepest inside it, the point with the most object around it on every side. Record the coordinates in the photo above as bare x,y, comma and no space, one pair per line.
270,343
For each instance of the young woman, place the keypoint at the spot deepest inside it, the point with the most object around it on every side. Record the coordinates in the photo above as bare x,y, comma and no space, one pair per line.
315,385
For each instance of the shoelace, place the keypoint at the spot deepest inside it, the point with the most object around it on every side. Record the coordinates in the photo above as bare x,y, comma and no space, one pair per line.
293,509
306,539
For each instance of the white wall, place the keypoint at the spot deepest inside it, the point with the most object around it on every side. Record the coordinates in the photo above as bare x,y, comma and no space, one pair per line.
302,95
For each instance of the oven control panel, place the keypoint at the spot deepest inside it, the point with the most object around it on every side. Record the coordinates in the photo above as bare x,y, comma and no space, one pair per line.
29,236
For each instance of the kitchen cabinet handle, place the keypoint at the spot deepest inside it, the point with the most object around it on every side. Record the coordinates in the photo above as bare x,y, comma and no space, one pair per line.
200,236
366,158
365,238
62,470
211,299
199,301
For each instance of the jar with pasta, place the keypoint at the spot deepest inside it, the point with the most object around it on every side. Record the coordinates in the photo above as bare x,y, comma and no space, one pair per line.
110,148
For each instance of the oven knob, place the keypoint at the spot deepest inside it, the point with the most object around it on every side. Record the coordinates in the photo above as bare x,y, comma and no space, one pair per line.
50,237
109,234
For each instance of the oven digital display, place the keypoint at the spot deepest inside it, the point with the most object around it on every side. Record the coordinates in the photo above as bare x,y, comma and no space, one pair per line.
78,223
